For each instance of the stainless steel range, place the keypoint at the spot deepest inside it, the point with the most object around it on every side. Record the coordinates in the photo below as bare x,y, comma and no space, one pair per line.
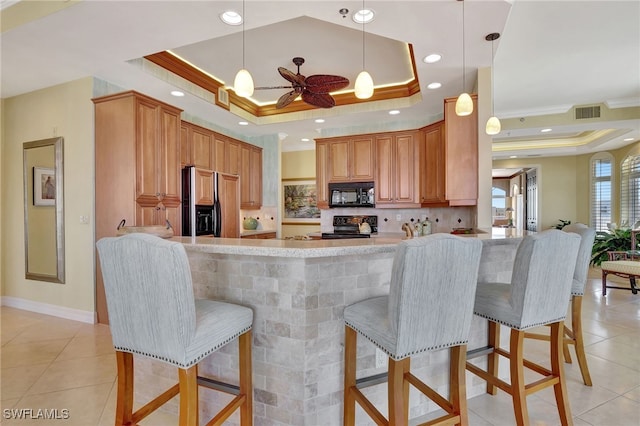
351,226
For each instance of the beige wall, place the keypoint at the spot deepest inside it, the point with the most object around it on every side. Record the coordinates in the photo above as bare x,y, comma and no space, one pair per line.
297,165
557,197
564,185
65,110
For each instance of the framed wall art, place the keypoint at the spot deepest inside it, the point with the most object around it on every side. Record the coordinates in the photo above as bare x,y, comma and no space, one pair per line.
44,186
300,201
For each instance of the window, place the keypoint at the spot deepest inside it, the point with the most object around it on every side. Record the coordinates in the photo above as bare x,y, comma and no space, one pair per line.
630,190
499,197
601,168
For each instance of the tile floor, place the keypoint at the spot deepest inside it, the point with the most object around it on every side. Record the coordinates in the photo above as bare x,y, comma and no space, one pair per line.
51,363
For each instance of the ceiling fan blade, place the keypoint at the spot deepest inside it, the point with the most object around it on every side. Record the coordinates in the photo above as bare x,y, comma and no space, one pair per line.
296,79
322,83
321,100
287,98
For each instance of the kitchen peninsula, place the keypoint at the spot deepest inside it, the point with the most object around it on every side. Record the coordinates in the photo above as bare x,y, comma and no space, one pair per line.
298,290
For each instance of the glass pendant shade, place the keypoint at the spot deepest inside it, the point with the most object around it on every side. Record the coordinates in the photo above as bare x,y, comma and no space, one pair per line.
243,84
493,126
364,86
464,105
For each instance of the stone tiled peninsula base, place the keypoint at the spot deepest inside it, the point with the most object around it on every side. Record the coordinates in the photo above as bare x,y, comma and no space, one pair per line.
298,290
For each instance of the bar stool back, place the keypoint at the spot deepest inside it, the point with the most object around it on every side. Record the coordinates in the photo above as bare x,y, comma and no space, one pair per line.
152,313
573,335
537,295
429,307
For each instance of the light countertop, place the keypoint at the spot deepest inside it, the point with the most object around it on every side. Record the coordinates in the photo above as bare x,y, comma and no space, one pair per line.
384,242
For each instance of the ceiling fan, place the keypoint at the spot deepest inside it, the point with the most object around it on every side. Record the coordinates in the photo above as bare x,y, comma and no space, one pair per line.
314,89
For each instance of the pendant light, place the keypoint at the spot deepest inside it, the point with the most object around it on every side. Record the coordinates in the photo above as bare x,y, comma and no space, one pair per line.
243,83
464,104
493,124
364,82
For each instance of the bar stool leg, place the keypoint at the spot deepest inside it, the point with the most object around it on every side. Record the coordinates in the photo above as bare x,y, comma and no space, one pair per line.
398,392
124,404
576,323
493,358
188,380
457,382
557,369
350,340
516,350
246,388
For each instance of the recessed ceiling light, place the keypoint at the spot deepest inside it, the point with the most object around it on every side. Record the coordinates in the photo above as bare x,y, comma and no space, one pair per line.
177,93
394,112
231,17
434,85
430,59
319,120
627,139
545,130
305,139
513,156
243,123
363,16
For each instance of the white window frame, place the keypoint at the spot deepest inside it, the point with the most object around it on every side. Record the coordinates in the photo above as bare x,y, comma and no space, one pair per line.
594,218
629,199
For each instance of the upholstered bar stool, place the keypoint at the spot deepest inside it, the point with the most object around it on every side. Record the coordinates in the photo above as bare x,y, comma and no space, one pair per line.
153,313
573,335
537,295
429,307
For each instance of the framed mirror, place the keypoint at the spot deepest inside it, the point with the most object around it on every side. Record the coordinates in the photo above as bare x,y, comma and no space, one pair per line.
44,210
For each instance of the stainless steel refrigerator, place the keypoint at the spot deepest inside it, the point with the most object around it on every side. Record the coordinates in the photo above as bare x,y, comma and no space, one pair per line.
210,203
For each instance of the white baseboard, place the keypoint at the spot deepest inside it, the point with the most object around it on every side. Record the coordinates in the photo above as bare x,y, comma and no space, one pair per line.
48,309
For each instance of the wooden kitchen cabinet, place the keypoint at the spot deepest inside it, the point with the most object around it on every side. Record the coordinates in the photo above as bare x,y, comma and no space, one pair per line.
232,156
220,144
250,177
322,174
432,166
397,170
350,159
138,156
461,155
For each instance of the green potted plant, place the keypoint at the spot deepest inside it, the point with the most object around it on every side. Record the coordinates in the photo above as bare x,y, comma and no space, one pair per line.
618,239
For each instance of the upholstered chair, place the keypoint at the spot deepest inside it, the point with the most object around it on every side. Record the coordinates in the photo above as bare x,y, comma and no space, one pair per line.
537,295
153,313
429,308
573,335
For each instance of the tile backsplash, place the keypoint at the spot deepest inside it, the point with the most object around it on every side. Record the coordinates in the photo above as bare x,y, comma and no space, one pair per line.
266,216
443,219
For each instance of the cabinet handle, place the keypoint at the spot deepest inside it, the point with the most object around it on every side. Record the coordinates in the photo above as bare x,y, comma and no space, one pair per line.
157,208
164,194
157,194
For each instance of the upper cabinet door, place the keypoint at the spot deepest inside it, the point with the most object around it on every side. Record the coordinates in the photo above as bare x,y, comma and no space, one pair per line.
432,165
351,159
201,147
461,155
362,159
339,161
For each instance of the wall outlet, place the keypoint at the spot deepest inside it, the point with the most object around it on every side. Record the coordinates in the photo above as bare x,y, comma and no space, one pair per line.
84,220
381,358
398,217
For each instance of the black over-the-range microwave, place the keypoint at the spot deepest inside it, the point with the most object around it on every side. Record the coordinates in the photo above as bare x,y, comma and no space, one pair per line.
352,194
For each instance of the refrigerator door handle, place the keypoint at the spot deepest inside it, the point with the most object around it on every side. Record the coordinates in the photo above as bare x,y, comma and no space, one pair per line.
217,212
